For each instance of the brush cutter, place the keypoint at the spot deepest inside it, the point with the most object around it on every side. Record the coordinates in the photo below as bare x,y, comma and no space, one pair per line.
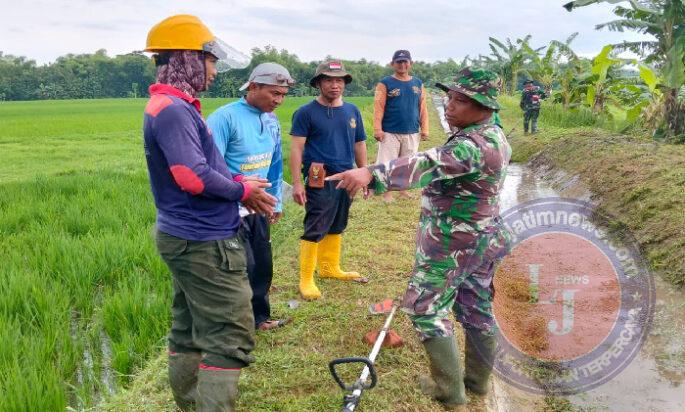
351,400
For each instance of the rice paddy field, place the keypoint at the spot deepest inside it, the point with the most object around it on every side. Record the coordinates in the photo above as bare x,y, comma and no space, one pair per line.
84,297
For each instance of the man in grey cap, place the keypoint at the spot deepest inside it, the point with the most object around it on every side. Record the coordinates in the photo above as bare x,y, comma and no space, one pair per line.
248,136
328,137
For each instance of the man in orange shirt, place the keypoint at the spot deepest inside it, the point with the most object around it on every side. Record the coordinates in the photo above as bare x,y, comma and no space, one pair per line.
399,112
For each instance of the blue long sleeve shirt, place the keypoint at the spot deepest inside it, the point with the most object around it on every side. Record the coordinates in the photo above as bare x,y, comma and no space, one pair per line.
250,142
195,194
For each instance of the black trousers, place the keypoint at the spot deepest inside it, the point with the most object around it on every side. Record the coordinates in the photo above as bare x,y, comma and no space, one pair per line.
327,211
530,116
255,231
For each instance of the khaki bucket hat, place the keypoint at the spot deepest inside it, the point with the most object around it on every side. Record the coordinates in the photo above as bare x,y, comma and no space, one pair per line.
331,68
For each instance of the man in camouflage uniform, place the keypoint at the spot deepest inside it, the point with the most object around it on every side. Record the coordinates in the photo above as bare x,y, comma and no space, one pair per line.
460,236
531,100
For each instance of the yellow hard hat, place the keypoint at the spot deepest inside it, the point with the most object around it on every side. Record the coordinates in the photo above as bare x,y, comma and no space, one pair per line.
180,32
187,32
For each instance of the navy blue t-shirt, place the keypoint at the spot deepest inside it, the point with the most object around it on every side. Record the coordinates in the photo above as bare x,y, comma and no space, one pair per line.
331,133
402,105
195,194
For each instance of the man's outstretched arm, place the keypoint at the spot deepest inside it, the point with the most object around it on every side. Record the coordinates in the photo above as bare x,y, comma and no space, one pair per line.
445,162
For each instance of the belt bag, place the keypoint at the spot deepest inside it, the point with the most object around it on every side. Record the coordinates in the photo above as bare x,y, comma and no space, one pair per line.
317,174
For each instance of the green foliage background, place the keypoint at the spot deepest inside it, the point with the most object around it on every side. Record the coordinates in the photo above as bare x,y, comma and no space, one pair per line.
93,76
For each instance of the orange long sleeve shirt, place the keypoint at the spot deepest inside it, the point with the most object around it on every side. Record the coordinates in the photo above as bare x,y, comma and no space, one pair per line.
380,97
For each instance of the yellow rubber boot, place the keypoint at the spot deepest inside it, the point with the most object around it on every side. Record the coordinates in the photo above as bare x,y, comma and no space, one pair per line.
329,259
308,252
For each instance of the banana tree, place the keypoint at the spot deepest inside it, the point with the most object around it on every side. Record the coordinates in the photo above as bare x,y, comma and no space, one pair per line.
546,68
665,21
573,82
645,98
599,91
510,57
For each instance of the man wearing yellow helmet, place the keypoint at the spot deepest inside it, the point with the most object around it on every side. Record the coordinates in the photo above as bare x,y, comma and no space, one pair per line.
212,331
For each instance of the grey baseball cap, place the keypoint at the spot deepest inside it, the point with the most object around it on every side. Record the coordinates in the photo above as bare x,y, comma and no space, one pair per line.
269,73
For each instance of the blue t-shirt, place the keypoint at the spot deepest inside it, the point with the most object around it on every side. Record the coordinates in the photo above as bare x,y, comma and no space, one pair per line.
402,105
250,142
331,133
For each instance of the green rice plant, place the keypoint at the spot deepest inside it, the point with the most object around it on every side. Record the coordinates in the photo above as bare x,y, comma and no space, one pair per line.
135,316
84,296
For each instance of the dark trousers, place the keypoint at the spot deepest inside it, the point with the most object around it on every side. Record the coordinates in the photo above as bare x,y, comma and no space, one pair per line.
327,210
255,231
211,310
531,116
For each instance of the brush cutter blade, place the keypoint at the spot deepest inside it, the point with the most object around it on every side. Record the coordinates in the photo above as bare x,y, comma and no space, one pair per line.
381,308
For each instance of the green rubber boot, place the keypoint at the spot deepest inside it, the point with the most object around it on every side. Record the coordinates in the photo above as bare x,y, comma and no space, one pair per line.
446,382
183,378
480,356
217,389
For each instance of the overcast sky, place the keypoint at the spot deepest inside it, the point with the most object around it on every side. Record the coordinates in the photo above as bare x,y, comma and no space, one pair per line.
431,29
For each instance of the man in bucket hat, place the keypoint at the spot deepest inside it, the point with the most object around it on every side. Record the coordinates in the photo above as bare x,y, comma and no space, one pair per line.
460,236
328,137
248,136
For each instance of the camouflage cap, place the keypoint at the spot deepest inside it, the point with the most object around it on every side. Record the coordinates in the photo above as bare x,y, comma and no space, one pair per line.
330,68
480,85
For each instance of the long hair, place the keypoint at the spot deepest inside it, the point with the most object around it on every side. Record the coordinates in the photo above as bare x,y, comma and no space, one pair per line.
182,69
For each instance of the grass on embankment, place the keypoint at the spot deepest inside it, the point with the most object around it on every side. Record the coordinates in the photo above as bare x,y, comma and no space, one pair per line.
637,181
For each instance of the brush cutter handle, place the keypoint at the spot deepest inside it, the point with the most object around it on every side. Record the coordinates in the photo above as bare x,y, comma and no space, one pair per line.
359,384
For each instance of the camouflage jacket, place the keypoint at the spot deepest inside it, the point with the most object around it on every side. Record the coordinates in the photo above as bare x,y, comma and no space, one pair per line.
532,99
461,180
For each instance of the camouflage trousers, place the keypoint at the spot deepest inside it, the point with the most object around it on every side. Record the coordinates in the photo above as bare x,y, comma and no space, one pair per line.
448,278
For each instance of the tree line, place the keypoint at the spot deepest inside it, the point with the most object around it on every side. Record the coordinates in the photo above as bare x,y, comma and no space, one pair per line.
649,91
92,76
83,76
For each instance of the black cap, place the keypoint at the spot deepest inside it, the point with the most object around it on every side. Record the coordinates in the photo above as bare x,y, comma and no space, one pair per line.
528,82
401,55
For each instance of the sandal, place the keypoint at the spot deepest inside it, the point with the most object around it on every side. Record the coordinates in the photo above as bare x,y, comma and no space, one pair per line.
273,324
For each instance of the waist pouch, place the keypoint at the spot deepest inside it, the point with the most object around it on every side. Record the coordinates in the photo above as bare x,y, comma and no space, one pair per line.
317,175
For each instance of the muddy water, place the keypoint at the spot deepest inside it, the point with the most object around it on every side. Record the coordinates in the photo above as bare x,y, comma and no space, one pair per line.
655,378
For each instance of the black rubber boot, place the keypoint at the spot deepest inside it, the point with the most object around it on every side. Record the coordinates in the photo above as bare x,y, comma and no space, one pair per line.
446,382
217,390
480,356
183,378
